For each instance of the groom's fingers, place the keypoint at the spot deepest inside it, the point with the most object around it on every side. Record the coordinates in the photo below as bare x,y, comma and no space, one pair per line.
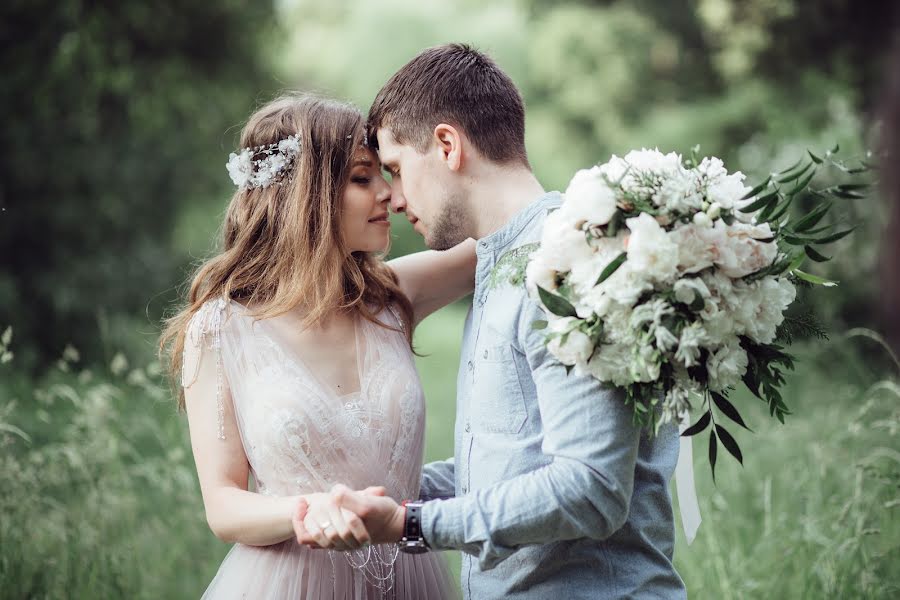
339,533
357,527
355,502
375,490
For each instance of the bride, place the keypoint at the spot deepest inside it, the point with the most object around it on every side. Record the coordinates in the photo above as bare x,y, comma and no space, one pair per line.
294,353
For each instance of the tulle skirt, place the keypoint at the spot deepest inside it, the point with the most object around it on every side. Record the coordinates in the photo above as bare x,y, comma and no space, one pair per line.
290,571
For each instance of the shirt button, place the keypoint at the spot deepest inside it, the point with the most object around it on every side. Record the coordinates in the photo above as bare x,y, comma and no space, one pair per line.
471,365
468,428
485,354
481,301
465,490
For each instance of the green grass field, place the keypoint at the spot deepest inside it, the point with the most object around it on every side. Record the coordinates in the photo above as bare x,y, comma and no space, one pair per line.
100,499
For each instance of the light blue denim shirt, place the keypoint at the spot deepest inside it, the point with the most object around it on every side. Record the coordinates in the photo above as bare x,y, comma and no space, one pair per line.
553,492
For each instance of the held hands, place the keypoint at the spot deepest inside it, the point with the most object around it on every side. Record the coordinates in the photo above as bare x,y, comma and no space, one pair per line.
347,519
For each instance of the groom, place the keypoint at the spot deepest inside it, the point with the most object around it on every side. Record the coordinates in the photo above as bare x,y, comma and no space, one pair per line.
553,492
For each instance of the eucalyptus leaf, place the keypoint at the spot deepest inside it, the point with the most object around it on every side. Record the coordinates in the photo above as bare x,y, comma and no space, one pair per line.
539,324
812,219
758,188
802,183
814,279
611,267
701,424
557,305
815,255
730,443
712,453
760,202
728,409
815,158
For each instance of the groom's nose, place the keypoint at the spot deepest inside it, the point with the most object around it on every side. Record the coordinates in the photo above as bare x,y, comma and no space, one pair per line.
398,202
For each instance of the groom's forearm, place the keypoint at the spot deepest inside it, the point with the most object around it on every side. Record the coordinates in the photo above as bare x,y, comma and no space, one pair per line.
562,501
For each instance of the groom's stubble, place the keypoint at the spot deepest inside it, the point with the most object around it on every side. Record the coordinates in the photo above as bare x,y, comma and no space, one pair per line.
452,225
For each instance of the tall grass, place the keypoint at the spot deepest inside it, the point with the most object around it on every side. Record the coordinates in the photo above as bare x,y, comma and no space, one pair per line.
99,497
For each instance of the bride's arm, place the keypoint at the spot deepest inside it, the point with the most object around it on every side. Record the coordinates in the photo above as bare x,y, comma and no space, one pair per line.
234,514
432,279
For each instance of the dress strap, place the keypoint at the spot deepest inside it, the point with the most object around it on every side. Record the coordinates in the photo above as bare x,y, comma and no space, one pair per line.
204,331
397,316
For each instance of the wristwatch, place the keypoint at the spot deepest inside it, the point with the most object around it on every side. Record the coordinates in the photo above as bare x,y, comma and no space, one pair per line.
412,541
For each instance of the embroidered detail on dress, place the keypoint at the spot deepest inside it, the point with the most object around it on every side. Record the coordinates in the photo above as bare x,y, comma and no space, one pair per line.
206,325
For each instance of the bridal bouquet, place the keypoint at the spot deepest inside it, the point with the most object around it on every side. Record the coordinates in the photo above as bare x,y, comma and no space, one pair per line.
670,278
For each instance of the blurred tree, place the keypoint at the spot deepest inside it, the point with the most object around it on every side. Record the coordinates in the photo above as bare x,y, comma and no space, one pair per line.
118,114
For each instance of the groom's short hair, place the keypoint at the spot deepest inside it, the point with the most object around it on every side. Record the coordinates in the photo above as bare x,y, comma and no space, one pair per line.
458,85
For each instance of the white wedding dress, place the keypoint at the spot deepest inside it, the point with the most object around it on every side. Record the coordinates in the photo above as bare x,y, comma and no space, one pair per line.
301,437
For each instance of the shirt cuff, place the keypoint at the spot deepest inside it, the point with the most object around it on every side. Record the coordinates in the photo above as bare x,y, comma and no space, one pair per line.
442,524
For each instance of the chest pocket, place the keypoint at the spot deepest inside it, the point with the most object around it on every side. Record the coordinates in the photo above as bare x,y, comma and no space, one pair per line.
498,404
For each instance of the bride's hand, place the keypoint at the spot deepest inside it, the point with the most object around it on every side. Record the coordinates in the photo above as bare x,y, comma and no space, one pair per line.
320,523
327,525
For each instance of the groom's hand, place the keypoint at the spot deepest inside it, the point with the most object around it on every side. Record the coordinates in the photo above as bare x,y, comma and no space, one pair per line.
382,516
307,525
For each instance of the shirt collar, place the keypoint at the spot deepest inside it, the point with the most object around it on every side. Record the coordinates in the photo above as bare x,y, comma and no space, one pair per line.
511,230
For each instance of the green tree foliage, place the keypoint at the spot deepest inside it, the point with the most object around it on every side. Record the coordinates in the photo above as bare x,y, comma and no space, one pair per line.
116,116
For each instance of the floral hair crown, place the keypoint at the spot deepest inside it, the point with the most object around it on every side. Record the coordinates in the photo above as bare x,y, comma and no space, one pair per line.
248,172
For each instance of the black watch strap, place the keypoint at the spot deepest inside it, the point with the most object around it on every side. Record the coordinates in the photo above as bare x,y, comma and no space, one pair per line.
413,541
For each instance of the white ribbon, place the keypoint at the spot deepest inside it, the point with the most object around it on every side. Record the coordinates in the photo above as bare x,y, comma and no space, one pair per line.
684,485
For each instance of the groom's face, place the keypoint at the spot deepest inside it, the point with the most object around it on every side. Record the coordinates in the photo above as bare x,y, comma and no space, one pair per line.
423,189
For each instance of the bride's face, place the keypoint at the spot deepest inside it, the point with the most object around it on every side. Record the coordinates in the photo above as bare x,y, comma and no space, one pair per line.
364,221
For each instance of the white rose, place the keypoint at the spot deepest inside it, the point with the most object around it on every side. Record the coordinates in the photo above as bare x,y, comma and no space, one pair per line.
726,366
562,244
653,160
727,191
650,250
583,278
577,347
701,219
539,273
589,198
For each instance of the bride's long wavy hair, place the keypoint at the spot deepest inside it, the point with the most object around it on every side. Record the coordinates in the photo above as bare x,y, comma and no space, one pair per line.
282,245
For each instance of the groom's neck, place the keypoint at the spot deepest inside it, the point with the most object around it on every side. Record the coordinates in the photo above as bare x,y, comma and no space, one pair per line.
498,194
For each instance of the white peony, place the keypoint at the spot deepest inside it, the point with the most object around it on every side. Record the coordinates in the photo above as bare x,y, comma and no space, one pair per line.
589,198
695,248
577,347
650,251
583,278
740,250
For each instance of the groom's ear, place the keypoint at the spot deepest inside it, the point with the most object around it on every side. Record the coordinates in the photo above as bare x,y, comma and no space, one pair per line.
449,142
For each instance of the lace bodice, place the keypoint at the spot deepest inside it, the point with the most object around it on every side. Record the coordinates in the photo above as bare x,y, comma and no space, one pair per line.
299,435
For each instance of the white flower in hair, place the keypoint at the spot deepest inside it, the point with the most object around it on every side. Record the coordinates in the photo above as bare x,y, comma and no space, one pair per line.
247,172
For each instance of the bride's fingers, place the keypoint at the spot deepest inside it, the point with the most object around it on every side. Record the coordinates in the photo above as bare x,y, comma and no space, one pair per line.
300,531
375,490
315,531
